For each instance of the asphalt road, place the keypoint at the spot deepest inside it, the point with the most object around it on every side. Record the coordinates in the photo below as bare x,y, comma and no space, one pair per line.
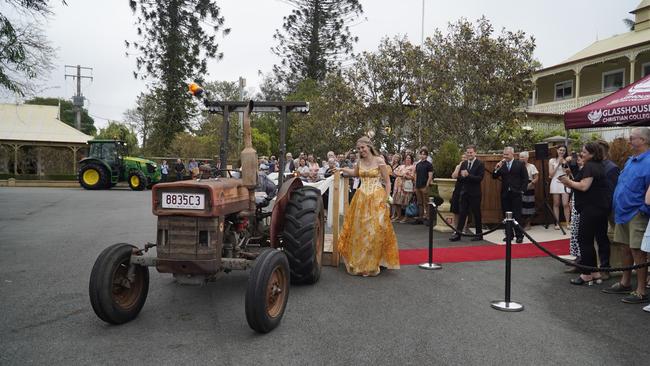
49,239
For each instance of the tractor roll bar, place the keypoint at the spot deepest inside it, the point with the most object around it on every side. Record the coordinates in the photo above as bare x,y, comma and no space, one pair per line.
283,107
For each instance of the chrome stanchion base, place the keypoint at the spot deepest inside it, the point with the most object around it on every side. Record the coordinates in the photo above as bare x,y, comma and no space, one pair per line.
507,306
430,266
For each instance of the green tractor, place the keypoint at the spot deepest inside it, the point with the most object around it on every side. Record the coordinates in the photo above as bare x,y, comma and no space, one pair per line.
107,164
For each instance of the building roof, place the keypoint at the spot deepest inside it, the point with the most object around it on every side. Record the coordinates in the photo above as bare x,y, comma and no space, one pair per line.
617,42
36,123
644,4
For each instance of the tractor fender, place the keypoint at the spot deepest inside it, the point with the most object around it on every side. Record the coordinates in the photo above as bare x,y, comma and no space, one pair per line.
279,208
85,161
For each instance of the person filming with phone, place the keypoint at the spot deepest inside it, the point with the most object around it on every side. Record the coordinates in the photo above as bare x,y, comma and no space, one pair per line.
593,203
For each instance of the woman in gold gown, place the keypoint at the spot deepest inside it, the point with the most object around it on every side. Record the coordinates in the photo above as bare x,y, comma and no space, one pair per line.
368,240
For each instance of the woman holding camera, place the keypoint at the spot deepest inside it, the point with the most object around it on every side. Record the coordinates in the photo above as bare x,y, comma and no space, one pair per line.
556,168
593,204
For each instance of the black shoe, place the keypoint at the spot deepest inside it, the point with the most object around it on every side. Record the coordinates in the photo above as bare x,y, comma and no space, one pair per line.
519,240
416,222
454,238
477,238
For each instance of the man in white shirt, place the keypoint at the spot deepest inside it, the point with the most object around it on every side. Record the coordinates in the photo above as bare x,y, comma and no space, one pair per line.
289,165
331,155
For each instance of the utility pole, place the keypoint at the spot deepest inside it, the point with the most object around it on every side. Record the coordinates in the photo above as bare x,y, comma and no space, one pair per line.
421,81
78,99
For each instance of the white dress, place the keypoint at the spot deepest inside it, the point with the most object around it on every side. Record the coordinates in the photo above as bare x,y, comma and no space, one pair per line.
556,186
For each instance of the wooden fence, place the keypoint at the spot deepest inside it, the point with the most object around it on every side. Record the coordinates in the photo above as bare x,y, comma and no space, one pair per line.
491,189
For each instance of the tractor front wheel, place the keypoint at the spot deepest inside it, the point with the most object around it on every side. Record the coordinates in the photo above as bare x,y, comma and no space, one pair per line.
137,181
94,176
304,235
268,291
118,289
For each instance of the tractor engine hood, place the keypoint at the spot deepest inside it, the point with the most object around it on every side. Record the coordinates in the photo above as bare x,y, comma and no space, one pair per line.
200,198
140,160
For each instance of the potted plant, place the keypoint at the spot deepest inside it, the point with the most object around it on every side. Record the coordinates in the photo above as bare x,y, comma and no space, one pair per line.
444,163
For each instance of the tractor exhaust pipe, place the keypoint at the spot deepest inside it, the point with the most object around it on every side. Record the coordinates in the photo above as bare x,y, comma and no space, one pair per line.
248,155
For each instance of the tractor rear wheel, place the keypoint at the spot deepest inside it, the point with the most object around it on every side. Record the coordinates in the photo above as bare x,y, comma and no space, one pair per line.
268,291
304,235
118,289
137,181
94,176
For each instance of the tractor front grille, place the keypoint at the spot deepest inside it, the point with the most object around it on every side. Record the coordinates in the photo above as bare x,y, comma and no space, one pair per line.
183,237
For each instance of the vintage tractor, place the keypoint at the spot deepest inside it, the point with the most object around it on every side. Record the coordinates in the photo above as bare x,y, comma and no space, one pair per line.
207,227
107,164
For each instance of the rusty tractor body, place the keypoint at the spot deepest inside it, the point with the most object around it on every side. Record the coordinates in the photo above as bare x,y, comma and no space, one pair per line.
207,227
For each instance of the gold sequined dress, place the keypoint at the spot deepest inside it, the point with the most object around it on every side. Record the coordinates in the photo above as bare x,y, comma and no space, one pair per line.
368,240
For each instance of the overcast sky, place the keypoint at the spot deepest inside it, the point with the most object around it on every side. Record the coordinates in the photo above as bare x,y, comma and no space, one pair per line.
91,33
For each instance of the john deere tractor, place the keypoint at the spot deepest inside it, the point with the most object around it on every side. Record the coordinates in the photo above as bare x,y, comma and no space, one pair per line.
107,164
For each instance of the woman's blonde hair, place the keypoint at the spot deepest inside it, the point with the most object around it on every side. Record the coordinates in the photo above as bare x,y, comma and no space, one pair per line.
366,141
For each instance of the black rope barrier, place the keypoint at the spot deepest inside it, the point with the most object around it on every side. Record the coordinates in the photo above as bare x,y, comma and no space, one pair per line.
463,234
579,266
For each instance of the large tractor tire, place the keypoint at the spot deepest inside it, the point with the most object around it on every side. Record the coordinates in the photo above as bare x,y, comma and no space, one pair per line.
137,181
94,176
116,295
268,291
304,235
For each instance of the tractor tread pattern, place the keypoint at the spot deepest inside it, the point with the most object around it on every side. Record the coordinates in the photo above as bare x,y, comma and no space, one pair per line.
100,285
141,178
304,209
255,301
104,178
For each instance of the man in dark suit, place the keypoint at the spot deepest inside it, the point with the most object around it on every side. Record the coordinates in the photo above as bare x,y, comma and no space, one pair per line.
514,180
470,177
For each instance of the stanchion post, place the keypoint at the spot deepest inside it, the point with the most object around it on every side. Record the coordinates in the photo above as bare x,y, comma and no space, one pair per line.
432,214
507,305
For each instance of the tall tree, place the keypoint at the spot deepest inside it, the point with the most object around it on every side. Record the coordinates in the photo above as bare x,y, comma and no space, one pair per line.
143,116
68,113
25,53
270,88
629,23
314,37
474,82
120,131
383,80
178,38
336,118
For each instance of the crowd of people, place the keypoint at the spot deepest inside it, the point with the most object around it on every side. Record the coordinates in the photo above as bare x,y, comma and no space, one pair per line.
587,188
590,190
600,193
194,169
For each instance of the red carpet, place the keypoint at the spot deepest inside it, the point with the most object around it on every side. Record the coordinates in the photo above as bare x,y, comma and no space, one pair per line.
481,253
